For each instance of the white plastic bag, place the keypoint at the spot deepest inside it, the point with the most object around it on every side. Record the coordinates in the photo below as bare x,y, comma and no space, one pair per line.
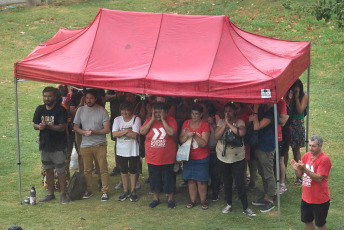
184,150
74,164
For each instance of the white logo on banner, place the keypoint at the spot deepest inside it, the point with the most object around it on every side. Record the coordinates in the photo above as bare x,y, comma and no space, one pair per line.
161,142
265,93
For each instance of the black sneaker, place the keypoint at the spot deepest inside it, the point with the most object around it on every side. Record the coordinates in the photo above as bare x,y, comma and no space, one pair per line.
171,204
252,186
105,197
133,196
123,196
215,197
64,199
249,212
154,203
87,195
268,207
115,171
260,201
47,198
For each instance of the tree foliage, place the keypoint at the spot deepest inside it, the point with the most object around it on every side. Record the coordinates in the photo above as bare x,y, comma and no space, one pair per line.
324,9
327,9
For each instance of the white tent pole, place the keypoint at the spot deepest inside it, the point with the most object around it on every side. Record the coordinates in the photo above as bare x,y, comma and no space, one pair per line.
277,162
307,119
18,142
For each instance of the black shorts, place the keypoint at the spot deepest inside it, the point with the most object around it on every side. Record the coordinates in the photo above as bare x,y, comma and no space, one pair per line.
280,148
123,164
162,175
309,212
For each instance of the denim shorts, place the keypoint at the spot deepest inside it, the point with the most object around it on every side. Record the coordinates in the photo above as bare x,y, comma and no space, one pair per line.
196,169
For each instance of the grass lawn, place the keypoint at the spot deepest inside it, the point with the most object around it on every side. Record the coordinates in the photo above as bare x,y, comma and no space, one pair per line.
22,29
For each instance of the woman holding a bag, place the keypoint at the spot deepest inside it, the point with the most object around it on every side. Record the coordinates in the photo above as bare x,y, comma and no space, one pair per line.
231,154
196,170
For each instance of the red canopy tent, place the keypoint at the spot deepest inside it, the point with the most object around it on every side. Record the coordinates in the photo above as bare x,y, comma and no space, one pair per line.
164,54
172,55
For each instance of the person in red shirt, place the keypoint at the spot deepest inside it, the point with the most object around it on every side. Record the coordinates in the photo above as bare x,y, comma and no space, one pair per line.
196,170
161,150
315,167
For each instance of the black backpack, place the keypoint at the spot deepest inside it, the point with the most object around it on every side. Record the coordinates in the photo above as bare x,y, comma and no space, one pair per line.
76,186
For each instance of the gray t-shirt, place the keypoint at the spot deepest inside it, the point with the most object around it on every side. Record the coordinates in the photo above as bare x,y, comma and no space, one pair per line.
91,118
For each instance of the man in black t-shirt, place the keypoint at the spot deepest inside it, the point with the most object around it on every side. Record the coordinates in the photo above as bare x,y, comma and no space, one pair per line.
51,121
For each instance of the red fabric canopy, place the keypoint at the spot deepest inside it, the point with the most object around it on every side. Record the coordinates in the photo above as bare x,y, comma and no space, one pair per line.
164,54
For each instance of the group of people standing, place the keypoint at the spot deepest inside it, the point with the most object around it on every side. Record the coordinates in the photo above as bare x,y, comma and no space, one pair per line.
154,129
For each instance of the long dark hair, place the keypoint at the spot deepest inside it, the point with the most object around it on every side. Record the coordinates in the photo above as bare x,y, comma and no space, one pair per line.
298,83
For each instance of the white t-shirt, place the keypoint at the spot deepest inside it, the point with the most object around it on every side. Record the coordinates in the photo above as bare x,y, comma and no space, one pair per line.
126,146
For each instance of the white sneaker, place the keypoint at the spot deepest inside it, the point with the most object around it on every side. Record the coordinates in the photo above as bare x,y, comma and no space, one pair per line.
283,189
138,185
105,197
227,209
119,185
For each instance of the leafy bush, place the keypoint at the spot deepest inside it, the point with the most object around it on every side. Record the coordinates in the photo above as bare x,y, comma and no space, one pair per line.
323,9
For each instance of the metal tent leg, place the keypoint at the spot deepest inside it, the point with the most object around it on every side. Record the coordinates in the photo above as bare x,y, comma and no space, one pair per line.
17,133
277,162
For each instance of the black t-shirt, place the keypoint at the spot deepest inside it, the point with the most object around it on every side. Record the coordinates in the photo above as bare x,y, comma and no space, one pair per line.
114,105
51,140
286,127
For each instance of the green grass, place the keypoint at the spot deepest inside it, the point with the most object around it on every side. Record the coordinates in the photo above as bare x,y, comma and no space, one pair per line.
264,17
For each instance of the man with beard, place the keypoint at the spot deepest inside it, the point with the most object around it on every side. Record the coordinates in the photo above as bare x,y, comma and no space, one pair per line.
51,121
92,121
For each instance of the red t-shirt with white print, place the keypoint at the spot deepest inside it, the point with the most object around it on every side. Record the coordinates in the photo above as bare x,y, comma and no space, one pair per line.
314,192
161,148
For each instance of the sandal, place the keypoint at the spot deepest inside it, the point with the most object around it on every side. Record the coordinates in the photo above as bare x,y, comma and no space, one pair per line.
190,205
205,205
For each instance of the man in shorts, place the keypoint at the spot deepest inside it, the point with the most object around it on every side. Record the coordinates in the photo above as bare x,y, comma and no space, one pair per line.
51,121
315,167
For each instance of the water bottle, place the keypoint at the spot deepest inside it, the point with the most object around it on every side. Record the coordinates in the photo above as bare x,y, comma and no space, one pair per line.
33,196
